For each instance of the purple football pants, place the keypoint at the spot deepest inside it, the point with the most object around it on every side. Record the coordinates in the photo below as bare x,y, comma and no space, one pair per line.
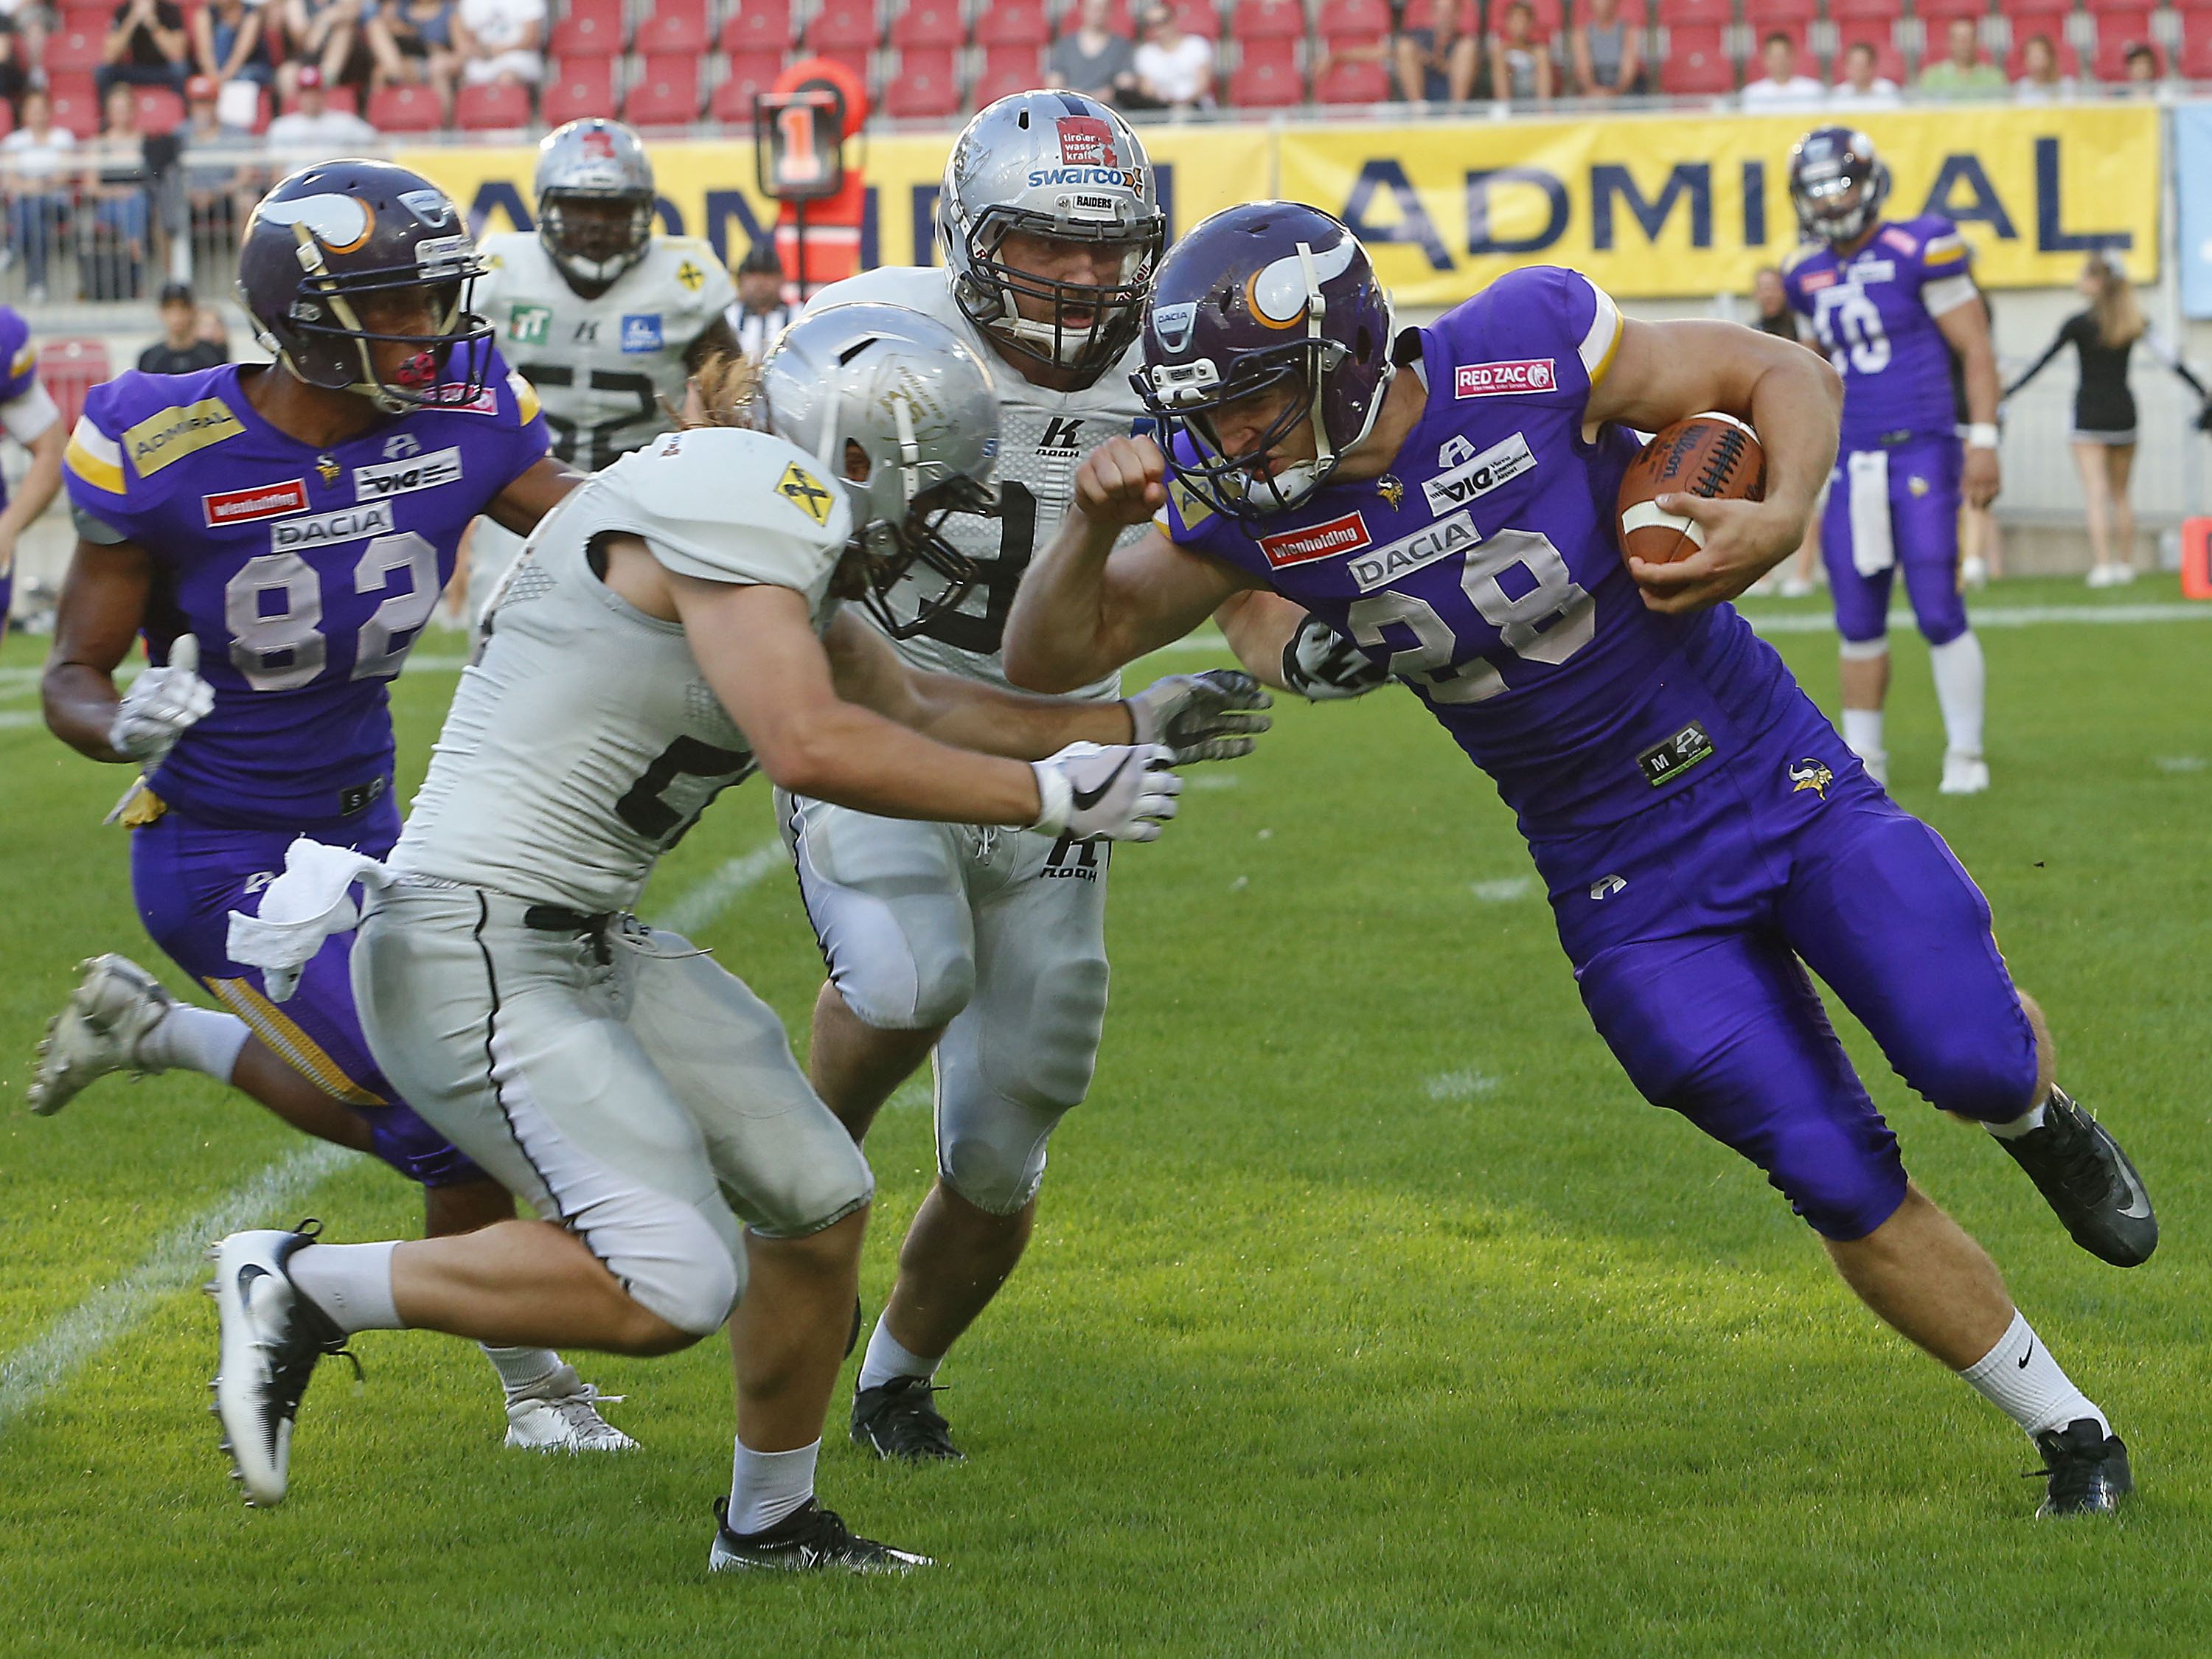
1923,517
1692,926
187,879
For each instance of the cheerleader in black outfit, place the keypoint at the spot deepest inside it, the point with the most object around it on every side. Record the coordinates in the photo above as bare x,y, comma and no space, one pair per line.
2104,437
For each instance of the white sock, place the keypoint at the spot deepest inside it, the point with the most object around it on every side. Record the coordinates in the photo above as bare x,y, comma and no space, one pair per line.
886,1359
1862,731
2020,1379
204,1040
351,1283
521,1370
2030,1119
1959,676
765,1486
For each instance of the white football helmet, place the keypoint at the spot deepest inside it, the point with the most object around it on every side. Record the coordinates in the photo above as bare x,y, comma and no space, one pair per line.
589,161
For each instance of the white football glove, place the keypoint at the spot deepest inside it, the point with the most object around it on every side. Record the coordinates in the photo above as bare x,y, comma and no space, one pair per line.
1121,794
1320,665
1202,717
162,705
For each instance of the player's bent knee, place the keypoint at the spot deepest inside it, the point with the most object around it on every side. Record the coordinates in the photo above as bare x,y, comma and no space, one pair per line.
675,1267
893,990
1971,1076
820,1186
1842,1193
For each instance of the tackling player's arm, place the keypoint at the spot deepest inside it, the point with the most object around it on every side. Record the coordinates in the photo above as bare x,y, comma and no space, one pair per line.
1967,330
532,494
1086,607
1662,372
103,605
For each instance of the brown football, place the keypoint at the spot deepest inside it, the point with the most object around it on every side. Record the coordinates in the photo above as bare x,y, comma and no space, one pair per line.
1712,455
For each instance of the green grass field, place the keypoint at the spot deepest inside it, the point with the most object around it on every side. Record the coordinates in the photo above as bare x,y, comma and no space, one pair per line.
1369,1310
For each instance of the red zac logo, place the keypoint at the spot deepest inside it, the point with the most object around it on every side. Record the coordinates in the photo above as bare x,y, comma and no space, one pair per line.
1317,541
257,501
597,143
1490,380
1086,142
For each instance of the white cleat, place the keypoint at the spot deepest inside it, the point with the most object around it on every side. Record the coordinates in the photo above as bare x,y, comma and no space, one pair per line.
1793,586
1973,573
272,1336
562,1413
1964,774
1877,766
115,1005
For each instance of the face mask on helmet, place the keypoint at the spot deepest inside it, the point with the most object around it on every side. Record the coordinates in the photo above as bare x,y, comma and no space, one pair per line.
594,236
1837,196
343,329
1079,325
911,551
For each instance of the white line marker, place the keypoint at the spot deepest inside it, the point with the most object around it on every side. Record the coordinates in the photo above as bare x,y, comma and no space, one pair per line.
2000,615
1461,1085
2179,762
1503,892
697,906
111,1312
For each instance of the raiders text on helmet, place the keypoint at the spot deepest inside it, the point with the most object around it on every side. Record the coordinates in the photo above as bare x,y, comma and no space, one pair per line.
1838,183
594,161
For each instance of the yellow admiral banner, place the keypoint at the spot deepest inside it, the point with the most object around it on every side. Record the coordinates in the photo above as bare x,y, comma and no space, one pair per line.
1665,206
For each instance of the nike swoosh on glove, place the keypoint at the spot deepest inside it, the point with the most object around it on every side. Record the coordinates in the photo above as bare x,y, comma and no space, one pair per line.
1320,665
1121,793
1202,717
162,705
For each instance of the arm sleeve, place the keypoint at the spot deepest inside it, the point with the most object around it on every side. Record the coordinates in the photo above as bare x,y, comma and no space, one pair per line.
2057,341
1947,263
2159,347
94,471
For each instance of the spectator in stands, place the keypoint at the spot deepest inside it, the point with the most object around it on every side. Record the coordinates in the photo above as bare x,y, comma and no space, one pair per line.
1780,87
412,41
34,158
116,180
1174,68
314,131
759,314
500,40
2145,69
1607,54
221,186
1962,72
211,331
24,22
1091,57
1520,59
230,42
1861,88
145,46
326,35
2043,83
1436,63
180,350
13,54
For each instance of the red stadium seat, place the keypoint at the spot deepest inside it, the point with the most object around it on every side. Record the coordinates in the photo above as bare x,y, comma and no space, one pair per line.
405,109
675,28
1275,52
75,48
2196,53
1888,62
1696,14
666,66
341,97
1936,13
843,27
69,369
160,111
1696,63
1887,11
579,86
1357,22
7,118
76,105
2110,61
1013,23
1353,81
1001,78
2129,22
1762,17
2054,11
929,25
495,108
590,28
861,60
1266,84
2101,6
1268,20
757,27
664,101
1878,32
1199,18
926,86
751,73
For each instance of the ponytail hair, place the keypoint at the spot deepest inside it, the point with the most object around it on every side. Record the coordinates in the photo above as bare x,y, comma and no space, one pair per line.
2119,318
720,391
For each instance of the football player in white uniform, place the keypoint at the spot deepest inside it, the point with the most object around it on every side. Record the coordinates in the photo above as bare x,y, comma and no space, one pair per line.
674,627
600,312
985,946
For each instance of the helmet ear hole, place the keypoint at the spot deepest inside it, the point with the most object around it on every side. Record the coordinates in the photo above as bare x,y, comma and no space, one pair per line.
858,466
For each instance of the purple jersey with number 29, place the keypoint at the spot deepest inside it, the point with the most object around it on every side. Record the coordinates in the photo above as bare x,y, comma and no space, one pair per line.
305,574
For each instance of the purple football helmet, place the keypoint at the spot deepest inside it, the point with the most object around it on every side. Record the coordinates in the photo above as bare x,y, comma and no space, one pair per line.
1837,184
333,233
1265,296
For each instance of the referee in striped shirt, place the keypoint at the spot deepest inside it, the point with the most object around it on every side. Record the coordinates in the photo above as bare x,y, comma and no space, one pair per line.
760,314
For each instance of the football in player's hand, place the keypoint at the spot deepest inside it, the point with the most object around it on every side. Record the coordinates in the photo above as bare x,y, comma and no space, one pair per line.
1716,455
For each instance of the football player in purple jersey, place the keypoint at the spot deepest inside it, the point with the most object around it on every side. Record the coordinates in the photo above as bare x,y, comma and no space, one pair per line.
1890,302
28,416
1444,498
280,535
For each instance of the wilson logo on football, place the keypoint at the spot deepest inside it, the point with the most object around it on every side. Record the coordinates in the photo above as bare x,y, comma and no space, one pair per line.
261,502
1318,541
1490,380
1086,142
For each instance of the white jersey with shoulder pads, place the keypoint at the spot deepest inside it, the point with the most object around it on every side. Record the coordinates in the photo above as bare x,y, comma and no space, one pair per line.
1043,436
601,367
584,741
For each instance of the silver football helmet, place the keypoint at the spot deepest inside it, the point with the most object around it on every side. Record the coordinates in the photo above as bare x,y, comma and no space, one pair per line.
1054,164
582,163
899,409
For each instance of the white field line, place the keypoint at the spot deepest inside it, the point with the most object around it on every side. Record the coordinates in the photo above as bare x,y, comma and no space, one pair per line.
111,1312
697,906
1999,615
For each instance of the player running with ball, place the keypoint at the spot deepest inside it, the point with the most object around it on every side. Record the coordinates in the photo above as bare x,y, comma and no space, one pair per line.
1444,497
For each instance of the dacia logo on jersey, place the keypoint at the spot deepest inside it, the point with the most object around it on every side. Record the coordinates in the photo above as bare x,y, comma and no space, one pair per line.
641,332
1810,775
348,524
1478,474
529,325
379,480
804,491
1423,548
173,434
690,276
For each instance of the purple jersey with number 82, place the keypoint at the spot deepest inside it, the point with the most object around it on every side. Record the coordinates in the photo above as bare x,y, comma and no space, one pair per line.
307,574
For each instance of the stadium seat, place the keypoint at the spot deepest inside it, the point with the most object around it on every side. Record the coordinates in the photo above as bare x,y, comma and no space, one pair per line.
1885,11
2129,22
926,88
405,109
161,110
69,368
1934,14
757,27
1002,77
1879,33
1355,22
663,99
1888,62
1273,51
76,105
1266,84
2052,12
1715,14
340,97
590,28
1696,63
1268,20
2196,53
664,66
75,48
929,25
1013,23
1199,18
1762,17
843,27
2109,62
1353,81
578,86
755,72
675,28
495,108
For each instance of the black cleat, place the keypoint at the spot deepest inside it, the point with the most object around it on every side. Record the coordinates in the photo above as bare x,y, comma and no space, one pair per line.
811,1539
897,1419
2088,1183
2087,1468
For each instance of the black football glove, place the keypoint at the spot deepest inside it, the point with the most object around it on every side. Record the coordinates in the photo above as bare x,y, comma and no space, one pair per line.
1320,665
